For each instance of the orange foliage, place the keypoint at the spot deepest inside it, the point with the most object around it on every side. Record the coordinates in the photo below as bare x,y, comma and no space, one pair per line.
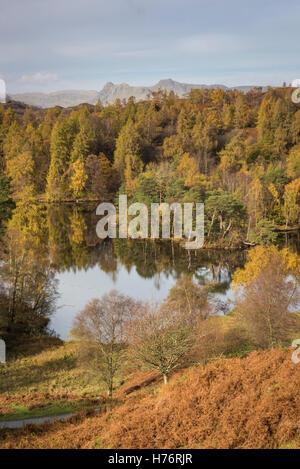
234,403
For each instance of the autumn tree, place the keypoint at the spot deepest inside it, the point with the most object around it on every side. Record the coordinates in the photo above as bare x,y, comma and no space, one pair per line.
33,143
293,163
102,177
295,128
228,116
99,328
60,150
255,201
203,136
46,126
188,169
13,141
159,340
78,177
268,294
127,157
242,112
20,171
291,207
232,159
84,141
6,203
147,123
264,121
27,281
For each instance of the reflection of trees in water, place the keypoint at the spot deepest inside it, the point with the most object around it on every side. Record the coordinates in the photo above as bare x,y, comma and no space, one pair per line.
28,285
152,259
67,233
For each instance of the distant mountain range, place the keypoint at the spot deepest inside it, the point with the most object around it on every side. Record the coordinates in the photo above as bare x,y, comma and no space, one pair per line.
111,92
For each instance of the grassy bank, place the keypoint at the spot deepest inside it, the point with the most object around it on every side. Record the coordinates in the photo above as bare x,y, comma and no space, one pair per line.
252,402
54,371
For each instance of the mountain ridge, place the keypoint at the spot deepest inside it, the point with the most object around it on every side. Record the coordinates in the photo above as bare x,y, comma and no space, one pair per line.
110,92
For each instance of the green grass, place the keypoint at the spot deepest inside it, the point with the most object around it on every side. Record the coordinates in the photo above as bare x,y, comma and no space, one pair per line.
48,383
54,371
290,445
50,409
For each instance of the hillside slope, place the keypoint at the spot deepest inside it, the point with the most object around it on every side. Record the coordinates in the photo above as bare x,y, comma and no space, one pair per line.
234,403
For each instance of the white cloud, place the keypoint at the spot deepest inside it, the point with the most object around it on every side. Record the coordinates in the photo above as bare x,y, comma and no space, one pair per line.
39,78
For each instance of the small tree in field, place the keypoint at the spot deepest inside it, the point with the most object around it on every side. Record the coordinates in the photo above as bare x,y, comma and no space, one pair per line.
159,340
100,330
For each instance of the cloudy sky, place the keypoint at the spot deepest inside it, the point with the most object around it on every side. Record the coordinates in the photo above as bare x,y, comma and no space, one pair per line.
47,45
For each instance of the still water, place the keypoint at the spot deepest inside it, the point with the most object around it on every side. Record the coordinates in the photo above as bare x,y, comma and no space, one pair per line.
62,245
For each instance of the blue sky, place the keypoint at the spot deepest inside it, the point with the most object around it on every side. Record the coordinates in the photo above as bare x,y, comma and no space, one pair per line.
47,45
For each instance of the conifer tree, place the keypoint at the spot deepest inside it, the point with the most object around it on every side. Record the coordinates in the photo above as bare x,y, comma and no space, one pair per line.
20,170
264,122
60,149
128,161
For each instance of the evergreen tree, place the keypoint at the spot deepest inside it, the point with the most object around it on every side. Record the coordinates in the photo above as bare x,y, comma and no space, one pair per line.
128,160
60,150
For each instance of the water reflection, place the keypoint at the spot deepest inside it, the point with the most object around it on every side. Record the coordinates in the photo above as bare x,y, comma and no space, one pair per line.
59,242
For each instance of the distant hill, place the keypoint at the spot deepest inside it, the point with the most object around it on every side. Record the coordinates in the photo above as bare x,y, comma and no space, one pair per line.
65,98
110,92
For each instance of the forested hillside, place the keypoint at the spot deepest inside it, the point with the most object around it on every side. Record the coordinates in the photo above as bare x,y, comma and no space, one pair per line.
238,153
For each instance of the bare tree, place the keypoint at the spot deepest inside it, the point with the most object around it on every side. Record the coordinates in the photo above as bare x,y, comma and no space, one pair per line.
100,329
160,340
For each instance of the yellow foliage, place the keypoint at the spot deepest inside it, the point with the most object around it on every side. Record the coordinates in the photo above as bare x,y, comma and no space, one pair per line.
254,200
78,227
291,208
260,258
293,162
20,169
188,169
272,189
78,178
172,147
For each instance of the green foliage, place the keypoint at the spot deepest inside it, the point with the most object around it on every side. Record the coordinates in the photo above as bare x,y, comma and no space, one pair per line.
6,203
176,190
60,150
263,233
259,152
276,176
148,191
225,212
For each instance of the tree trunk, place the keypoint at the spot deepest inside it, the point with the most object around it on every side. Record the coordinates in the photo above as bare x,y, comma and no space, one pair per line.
110,390
166,379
